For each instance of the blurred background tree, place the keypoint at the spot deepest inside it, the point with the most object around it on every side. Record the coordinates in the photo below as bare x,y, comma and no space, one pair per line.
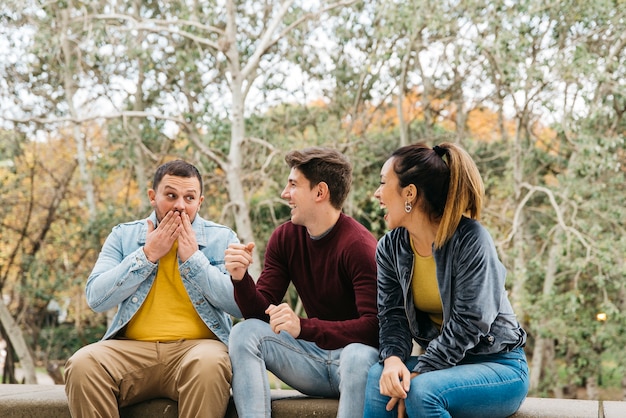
95,95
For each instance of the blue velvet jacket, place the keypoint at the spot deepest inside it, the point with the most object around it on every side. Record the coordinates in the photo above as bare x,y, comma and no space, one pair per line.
477,315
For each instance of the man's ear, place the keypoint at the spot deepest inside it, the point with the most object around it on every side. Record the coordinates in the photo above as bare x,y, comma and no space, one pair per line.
322,190
151,196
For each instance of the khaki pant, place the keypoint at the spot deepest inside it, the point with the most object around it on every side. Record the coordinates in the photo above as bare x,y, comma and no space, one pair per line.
106,375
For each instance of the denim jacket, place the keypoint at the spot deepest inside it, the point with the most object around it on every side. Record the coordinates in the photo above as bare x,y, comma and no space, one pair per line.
477,315
123,275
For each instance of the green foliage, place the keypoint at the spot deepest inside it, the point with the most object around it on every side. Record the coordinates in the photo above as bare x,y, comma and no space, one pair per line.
535,93
60,342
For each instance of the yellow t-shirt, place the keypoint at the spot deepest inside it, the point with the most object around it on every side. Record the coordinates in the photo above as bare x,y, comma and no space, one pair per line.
167,314
424,287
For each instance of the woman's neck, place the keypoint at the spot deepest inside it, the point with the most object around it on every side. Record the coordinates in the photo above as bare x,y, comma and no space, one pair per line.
423,233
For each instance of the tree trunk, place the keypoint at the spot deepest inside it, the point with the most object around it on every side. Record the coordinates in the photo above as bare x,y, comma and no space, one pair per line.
403,125
70,90
54,371
519,241
539,351
16,340
241,211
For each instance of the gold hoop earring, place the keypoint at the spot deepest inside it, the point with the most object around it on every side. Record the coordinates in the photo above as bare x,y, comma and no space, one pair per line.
408,207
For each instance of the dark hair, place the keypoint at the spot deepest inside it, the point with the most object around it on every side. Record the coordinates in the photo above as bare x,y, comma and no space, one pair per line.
447,178
324,165
178,168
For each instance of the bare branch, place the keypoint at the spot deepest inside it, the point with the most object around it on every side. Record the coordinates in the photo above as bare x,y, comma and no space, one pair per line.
125,115
265,43
557,210
270,147
158,25
220,161
83,119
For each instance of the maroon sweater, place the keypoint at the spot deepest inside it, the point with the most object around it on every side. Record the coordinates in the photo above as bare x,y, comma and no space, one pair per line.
335,277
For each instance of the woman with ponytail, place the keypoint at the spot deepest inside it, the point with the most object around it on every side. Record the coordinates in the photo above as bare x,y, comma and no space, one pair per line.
441,284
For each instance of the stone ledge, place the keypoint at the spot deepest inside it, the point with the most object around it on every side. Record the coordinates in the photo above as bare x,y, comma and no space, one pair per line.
613,409
49,401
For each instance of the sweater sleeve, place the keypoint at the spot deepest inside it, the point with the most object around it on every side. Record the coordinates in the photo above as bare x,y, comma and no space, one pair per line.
253,299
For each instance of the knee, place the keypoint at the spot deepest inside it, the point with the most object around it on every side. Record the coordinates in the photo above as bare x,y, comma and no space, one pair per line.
246,336
357,359
374,373
80,364
424,393
215,363
373,379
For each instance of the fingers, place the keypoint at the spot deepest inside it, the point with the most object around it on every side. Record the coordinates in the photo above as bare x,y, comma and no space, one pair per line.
407,382
277,309
391,404
170,226
393,380
239,253
406,379
401,408
393,387
186,230
186,222
283,318
159,239
237,258
187,243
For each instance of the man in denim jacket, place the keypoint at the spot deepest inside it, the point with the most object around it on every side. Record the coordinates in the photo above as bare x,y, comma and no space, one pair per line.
169,337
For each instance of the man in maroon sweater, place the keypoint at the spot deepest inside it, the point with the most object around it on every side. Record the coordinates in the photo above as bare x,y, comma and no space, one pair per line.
330,259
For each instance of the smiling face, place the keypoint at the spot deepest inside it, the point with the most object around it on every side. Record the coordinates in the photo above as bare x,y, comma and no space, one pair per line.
392,197
176,193
301,198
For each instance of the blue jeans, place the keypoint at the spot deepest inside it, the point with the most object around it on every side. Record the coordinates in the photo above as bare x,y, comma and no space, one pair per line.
255,349
491,386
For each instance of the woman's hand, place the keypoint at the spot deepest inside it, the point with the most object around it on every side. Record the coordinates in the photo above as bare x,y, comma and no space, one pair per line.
395,382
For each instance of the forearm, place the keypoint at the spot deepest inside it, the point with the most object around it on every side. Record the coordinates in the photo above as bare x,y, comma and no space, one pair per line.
250,301
113,280
214,282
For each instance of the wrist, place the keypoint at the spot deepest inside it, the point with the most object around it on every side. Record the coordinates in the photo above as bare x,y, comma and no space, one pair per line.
148,257
237,275
392,359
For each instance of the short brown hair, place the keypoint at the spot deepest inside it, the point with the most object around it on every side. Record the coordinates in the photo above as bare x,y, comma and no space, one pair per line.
326,165
178,168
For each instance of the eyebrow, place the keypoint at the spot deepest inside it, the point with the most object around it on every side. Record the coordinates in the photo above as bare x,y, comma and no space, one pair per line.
192,191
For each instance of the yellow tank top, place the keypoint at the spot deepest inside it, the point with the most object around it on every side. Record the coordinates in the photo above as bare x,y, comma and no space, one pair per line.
424,287
167,314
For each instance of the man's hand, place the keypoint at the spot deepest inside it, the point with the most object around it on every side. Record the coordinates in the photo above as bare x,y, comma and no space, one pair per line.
283,318
238,258
160,240
187,243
